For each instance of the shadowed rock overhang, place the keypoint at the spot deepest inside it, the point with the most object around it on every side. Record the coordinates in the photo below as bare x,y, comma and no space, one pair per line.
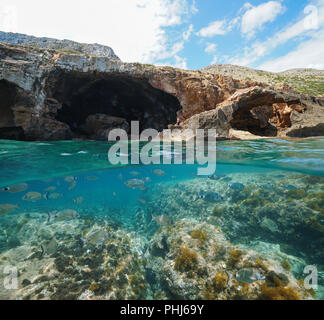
51,95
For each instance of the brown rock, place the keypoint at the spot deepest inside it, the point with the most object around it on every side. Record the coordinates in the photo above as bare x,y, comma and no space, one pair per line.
99,125
54,95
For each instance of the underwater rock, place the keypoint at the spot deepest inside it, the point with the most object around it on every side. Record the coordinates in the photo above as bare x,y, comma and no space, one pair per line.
193,269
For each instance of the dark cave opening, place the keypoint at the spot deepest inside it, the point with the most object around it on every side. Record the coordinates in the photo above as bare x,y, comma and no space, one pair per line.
124,97
256,122
8,94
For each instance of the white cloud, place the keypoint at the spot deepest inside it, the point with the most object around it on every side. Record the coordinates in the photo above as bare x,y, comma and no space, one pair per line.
186,35
255,17
213,29
178,62
301,28
215,60
135,29
309,54
8,18
210,48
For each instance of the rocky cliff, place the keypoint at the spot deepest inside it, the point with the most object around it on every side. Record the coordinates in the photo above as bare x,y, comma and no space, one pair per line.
308,81
47,94
55,44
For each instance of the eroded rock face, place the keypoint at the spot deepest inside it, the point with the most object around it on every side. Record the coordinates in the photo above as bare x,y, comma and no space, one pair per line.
51,95
99,125
263,112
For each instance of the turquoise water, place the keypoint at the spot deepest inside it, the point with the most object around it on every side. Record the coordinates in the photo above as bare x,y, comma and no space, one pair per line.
272,200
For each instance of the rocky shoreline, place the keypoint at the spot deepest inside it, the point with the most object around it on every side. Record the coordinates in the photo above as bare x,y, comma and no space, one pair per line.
53,95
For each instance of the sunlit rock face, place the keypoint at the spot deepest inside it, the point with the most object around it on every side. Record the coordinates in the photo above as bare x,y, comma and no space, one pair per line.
53,95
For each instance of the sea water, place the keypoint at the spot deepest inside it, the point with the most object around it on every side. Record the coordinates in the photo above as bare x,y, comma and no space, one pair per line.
115,236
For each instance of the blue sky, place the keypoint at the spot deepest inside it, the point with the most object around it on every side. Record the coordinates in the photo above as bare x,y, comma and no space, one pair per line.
270,35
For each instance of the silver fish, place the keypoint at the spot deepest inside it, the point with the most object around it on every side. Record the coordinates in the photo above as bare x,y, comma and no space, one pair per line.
163,220
64,215
136,184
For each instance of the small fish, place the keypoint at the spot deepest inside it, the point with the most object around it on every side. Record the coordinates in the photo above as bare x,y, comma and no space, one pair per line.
148,179
97,237
72,185
50,189
136,184
7,208
142,201
135,173
210,196
114,194
120,176
162,220
55,195
92,178
51,247
216,176
16,188
236,186
249,275
159,173
70,179
289,187
64,215
269,186
32,196
78,200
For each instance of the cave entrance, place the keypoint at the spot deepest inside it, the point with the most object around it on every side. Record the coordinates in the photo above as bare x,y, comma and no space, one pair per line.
256,120
127,98
8,94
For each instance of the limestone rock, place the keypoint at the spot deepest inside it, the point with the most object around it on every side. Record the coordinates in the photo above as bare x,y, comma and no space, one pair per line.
99,125
51,94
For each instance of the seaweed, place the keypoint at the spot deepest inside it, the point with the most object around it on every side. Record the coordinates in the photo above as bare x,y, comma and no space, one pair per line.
220,281
297,194
234,257
187,260
285,264
217,212
199,235
278,293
